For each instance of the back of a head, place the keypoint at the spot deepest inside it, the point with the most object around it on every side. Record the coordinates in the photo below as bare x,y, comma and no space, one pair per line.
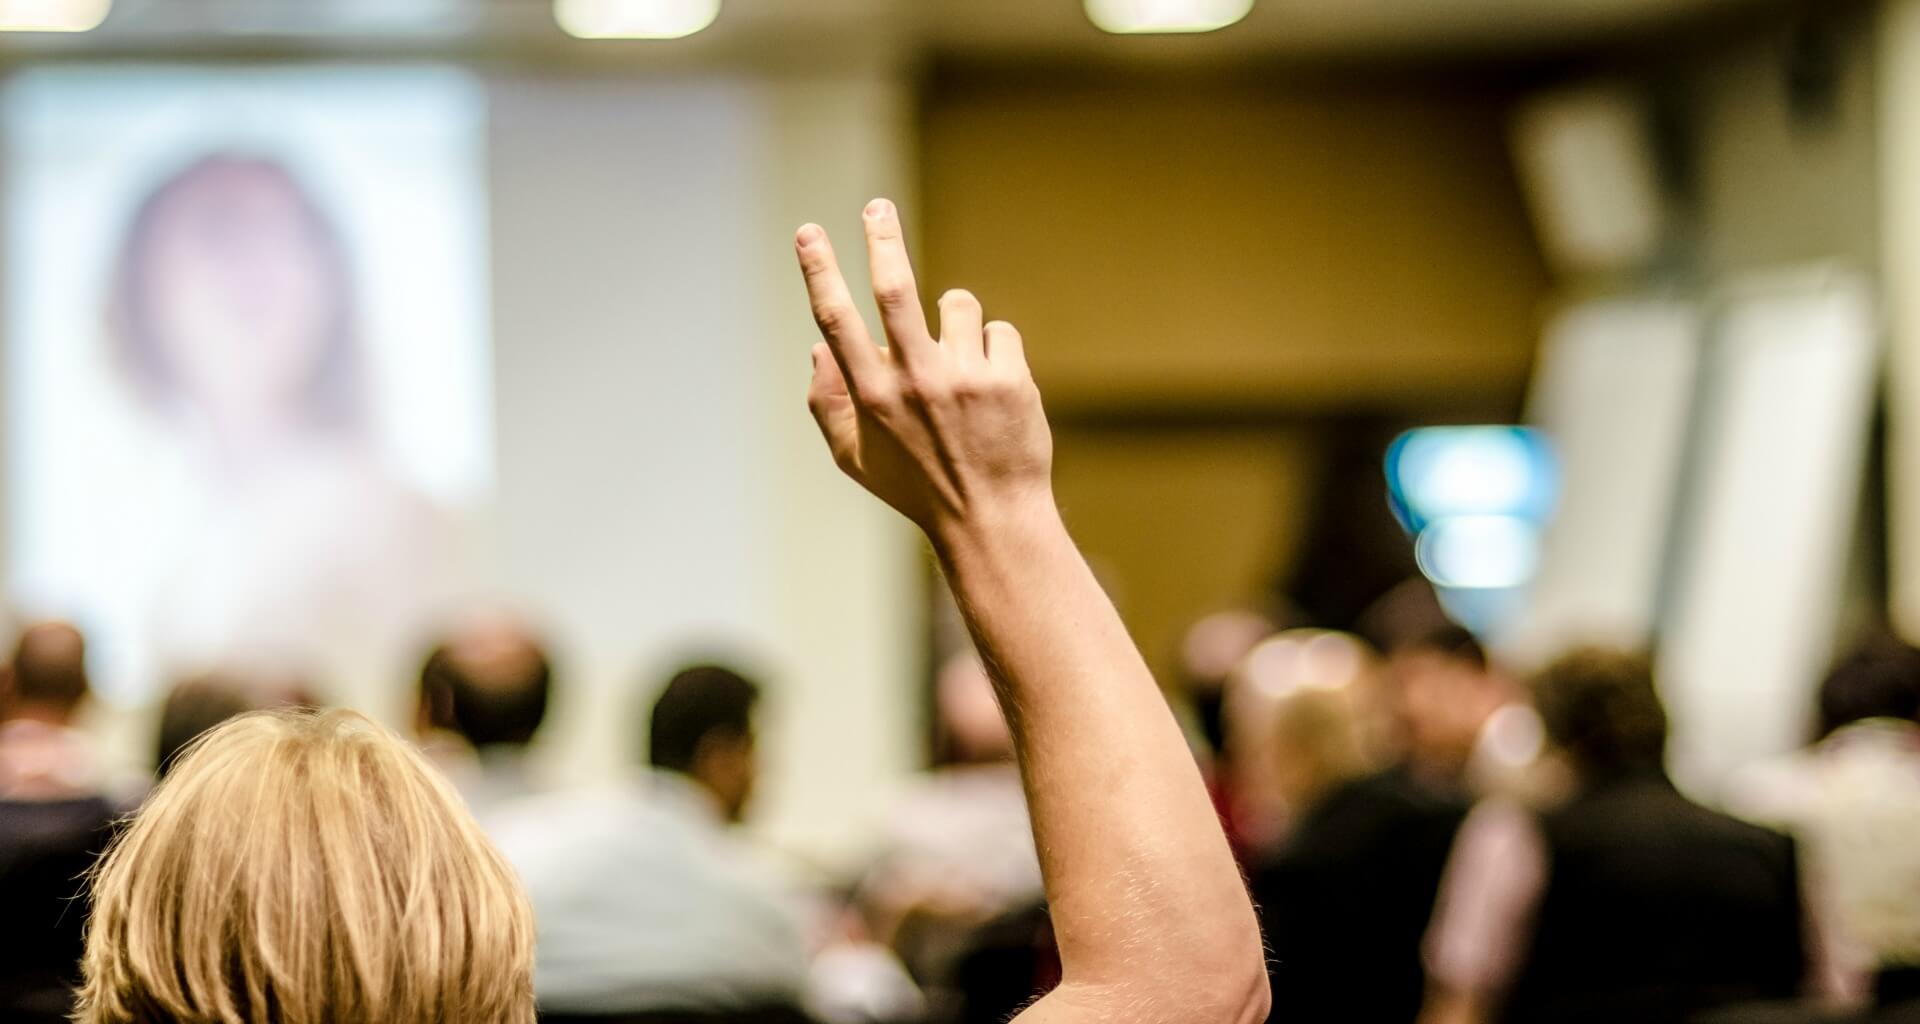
1601,707
305,867
1319,743
1294,719
699,704
1881,679
490,682
972,729
49,667
1452,642
195,706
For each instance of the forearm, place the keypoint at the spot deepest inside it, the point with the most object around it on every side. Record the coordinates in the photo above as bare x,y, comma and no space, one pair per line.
1147,902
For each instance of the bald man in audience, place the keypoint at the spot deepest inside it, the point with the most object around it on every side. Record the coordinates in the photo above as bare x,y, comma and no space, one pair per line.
483,697
54,819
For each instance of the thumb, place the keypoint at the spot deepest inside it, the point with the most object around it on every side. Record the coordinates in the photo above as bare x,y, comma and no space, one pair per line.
833,411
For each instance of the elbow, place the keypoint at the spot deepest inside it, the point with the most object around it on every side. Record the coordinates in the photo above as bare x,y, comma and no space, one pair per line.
1229,988
1211,971
1235,991
1252,990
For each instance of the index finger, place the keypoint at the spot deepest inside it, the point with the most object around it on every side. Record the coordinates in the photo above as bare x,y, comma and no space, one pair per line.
833,309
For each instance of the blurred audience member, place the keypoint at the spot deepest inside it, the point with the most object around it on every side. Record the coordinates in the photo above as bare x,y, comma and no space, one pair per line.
956,868
1349,892
483,696
955,844
646,901
1208,653
194,706
306,867
1464,724
54,819
42,755
1853,801
1627,902
701,733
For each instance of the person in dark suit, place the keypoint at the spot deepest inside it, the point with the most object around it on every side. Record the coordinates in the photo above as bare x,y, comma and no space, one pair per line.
54,820
1627,902
1346,897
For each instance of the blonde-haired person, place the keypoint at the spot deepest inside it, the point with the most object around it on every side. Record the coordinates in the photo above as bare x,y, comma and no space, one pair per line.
1347,892
305,868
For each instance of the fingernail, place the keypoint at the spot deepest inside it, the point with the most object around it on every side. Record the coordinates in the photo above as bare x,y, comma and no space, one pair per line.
879,208
809,234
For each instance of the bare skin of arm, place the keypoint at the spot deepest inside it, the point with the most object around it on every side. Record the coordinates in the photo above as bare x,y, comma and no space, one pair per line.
1149,907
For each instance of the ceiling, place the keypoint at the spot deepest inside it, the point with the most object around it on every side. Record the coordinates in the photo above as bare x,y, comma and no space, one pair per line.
797,31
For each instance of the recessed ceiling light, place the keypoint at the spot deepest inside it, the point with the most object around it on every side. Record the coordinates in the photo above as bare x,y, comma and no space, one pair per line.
1136,17
634,19
52,15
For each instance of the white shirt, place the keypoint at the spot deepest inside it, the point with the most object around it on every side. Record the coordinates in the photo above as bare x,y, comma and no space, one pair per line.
962,834
1853,802
46,762
644,901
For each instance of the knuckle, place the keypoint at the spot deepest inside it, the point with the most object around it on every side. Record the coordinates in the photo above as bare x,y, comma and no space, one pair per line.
830,316
882,394
972,386
892,292
959,298
928,390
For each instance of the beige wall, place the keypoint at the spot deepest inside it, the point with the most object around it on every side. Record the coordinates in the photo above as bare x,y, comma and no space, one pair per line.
1165,242
1772,189
1177,522
1268,251
1899,128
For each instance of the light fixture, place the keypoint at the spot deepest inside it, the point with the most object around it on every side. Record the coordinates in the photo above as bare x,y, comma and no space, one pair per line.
1479,552
634,19
1136,17
53,15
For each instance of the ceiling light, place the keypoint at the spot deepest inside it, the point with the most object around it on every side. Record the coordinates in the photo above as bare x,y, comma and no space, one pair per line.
1132,17
52,15
633,19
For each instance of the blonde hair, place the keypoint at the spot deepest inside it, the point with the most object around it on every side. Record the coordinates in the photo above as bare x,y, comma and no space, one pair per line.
305,868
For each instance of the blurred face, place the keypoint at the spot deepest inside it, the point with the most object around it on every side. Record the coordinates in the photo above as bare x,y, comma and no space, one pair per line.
1441,704
970,713
241,293
727,765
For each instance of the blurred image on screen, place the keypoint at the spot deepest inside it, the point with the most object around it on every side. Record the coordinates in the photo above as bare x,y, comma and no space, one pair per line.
247,378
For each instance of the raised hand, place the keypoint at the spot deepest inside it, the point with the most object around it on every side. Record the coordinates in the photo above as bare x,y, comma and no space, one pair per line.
1153,922
947,430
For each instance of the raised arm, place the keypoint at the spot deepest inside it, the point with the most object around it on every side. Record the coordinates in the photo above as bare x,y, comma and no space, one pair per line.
1153,920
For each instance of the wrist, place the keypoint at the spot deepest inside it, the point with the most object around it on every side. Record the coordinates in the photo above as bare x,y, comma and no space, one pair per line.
996,530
